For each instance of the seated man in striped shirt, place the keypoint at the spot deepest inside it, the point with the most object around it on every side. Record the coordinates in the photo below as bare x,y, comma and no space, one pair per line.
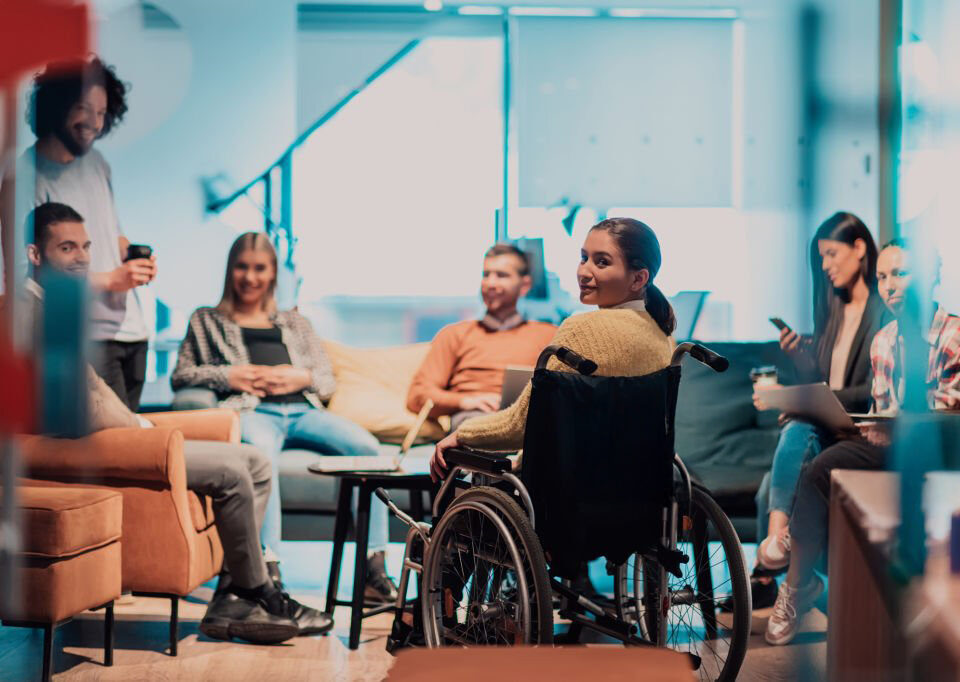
808,525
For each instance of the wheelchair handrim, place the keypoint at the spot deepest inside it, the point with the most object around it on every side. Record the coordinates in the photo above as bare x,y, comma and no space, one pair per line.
431,602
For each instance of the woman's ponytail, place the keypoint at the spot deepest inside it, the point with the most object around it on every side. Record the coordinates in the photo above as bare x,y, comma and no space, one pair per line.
660,309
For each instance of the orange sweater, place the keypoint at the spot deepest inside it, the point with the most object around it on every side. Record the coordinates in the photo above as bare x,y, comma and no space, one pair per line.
466,358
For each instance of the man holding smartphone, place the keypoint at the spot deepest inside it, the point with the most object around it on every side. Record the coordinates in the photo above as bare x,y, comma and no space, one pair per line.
72,105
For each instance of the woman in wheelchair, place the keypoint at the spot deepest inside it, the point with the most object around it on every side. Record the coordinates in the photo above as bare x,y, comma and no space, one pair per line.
498,554
628,336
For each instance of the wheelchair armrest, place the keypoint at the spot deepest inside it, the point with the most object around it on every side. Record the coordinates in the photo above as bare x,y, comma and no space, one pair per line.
480,460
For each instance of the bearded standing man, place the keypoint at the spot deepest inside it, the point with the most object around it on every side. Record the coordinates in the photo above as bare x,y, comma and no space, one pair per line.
72,105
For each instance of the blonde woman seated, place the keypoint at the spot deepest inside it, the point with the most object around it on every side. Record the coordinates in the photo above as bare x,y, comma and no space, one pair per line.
628,336
270,366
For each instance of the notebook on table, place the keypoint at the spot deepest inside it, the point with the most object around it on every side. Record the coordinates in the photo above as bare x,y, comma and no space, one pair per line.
385,462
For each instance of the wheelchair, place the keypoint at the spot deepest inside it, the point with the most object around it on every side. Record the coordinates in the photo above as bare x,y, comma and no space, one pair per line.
500,551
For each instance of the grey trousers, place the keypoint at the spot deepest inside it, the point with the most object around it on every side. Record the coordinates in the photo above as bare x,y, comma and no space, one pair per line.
237,477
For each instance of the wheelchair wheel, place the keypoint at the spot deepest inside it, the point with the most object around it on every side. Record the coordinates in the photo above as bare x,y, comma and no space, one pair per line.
485,579
687,616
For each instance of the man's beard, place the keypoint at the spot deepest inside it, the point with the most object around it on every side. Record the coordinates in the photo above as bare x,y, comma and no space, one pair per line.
73,145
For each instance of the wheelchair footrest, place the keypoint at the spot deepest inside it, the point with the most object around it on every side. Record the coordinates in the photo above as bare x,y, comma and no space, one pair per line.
479,460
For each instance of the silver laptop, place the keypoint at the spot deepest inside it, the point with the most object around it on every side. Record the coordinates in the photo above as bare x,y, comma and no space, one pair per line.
515,378
816,402
687,306
385,462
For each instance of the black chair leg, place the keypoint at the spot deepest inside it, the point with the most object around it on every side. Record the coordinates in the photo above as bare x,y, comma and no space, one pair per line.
48,631
108,635
416,505
174,618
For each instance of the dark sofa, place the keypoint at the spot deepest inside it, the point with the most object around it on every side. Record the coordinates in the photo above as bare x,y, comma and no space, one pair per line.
724,441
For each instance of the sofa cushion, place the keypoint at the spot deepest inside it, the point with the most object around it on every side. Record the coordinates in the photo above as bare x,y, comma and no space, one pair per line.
726,443
63,522
372,386
302,490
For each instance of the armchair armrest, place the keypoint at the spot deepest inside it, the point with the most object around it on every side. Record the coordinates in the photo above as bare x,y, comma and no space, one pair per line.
217,424
124,453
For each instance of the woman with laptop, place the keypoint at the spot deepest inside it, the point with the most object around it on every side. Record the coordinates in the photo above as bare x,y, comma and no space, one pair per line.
630,334
847,313
270,366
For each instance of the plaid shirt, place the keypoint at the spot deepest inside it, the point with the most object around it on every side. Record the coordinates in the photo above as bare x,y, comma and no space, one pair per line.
214,343
943,368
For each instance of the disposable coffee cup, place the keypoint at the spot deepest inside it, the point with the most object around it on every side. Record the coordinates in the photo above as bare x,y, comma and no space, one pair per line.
764,376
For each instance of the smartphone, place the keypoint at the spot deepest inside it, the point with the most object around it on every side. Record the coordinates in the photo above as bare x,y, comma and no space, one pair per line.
138,251
779,324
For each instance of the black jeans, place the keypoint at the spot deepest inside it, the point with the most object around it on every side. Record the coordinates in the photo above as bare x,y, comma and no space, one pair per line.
811,509
123,366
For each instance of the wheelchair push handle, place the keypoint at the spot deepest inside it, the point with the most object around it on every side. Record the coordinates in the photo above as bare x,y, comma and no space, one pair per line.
570,358
714,361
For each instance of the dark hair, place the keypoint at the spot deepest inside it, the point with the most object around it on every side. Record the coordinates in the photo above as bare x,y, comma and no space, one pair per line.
828,301
61,85
929,258
506,249
43,217
641,249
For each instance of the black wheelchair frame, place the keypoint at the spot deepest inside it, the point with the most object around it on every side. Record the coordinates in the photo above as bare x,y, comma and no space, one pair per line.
641,616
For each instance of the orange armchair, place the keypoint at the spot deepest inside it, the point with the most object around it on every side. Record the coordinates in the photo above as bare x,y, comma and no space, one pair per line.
170,543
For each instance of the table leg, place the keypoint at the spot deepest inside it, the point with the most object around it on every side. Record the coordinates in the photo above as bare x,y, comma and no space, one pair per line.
416,504
360,570
339,537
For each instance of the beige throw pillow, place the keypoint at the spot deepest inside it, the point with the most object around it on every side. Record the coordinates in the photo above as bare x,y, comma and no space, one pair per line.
372,386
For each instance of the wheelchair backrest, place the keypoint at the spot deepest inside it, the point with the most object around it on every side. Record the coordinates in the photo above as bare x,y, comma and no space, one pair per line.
598,462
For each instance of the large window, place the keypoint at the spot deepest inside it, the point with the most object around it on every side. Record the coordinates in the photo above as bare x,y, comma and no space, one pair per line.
395,198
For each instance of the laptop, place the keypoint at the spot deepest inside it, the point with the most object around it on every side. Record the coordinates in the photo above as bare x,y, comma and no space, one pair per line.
687,306
816,402
384,462
515,378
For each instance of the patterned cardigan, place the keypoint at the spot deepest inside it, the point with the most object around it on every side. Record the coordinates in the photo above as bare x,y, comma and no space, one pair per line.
214,343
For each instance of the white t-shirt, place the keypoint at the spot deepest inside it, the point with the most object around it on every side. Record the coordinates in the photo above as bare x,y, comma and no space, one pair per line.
84,185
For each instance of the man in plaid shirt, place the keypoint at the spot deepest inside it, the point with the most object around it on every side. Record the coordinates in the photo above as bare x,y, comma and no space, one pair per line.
886,353
808,525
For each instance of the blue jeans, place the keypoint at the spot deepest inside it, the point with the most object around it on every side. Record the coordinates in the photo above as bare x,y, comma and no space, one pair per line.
799,443
273,426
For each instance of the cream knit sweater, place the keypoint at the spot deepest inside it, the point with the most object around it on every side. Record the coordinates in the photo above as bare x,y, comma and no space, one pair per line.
621,342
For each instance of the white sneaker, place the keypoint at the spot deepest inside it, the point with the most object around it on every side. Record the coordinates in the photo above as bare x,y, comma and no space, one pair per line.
790,606
774,552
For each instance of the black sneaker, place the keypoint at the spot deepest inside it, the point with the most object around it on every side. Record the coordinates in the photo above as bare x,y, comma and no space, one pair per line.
380,588
310,621
763,594
231,616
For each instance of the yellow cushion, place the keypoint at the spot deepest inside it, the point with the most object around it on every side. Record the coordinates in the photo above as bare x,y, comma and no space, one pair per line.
372,386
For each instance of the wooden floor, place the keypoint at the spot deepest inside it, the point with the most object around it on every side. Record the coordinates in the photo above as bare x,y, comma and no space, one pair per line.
141,639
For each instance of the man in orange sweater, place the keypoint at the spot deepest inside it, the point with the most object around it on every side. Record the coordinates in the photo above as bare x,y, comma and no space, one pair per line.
463,372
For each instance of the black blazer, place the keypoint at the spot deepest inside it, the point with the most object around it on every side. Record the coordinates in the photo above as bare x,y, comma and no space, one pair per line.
858,374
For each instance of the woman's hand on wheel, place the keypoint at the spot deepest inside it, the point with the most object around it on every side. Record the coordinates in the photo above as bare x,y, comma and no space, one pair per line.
789,341
438,465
